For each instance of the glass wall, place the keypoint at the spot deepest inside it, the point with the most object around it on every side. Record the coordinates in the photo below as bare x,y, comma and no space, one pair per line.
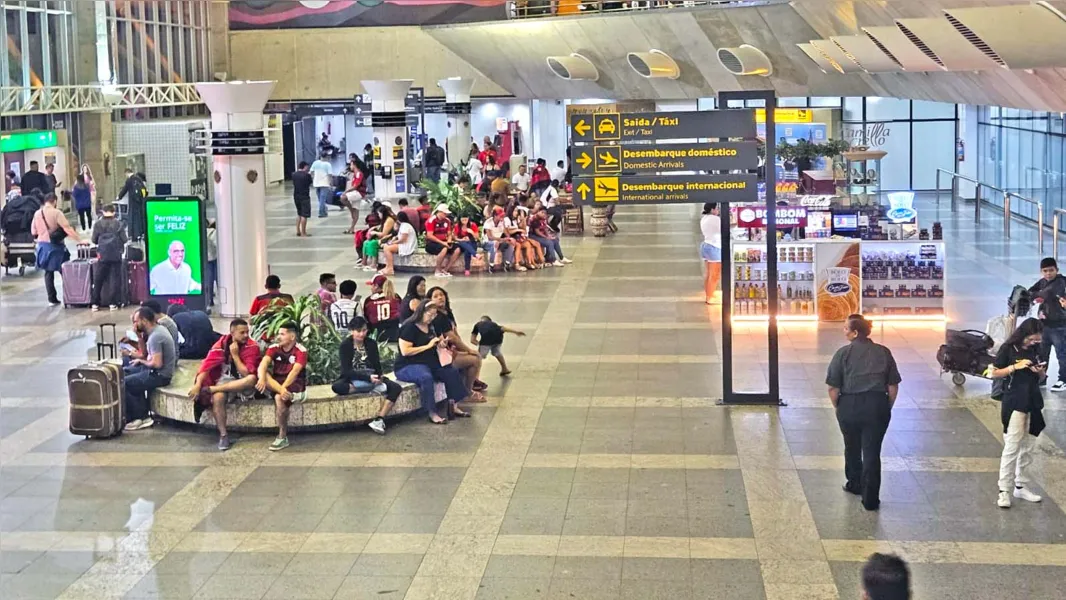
163,41
40,41
918,136
1021,151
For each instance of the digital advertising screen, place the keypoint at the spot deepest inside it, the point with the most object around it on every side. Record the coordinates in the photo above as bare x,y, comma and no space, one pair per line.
174,249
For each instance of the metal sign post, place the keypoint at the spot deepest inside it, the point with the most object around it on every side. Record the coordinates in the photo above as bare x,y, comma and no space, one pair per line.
773,395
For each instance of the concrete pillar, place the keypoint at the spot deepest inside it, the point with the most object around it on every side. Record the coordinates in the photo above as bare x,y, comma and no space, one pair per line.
240,194
93,65
388,117
457,108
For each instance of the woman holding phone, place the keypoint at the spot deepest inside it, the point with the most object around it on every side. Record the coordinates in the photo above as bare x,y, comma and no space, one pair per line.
1021,412
419,363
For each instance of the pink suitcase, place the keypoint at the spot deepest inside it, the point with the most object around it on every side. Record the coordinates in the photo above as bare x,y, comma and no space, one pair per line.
138,281
78,279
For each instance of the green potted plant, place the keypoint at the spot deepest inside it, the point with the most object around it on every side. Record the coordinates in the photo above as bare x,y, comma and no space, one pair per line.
316,333
461,203
804,153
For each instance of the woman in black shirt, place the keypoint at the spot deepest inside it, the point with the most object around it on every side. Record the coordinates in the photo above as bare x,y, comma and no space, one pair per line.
361,371
416,293
465,358
1018,362
419,363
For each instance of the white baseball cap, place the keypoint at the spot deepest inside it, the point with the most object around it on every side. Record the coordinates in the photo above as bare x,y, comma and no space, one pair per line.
443,208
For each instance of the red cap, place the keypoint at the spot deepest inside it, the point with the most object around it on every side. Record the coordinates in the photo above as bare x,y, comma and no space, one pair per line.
377,280
497,210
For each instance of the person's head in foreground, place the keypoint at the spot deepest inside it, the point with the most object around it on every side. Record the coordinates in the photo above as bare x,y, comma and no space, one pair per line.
425,313
885,577
287,335
1026,335
347,288
857,327
357,327
1049,268
238,330
273,283
143,319
328,281
710,208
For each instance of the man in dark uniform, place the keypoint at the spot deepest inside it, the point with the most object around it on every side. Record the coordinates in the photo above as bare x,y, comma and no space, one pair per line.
863,382
135,191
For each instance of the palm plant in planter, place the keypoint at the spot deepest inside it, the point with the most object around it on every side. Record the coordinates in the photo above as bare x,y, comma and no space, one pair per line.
316,333
459,202
803,153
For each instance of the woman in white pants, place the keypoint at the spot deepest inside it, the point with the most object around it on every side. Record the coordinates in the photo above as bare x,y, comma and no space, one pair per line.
1018,362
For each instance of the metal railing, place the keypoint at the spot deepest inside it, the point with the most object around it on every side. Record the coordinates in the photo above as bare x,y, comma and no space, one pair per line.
15,101
1008,215
1056,213
534,9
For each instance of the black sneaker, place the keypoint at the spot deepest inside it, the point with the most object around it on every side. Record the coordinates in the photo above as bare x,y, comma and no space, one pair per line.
852,489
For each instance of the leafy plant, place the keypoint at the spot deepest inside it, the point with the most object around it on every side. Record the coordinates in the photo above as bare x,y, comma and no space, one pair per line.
804,150
387,353
316,333
459,202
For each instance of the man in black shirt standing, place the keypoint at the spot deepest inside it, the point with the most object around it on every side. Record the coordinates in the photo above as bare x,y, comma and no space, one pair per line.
35,180
1050,293
434,161
863,382
301,196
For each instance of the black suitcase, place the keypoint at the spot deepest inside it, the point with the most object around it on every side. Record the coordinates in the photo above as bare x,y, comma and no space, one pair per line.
96,392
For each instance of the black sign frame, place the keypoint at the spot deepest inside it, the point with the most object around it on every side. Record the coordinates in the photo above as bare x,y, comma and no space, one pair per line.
189,301
638,127
591,191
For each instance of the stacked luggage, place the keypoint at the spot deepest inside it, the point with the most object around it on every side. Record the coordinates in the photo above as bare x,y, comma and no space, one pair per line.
970,352
19,247
79,278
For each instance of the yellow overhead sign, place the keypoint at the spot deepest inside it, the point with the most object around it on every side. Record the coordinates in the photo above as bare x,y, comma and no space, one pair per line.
786,115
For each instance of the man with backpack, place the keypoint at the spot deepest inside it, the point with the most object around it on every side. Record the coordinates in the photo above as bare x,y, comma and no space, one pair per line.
108,273
434,161
1050,293
135,191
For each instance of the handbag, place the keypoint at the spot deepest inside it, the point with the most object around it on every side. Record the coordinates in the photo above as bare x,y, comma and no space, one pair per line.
445,356
57,236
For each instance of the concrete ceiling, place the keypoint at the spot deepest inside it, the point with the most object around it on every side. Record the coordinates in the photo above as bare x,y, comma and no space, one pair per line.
512,54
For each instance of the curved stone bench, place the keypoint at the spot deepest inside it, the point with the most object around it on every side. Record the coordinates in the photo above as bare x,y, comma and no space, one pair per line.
322,410
420,262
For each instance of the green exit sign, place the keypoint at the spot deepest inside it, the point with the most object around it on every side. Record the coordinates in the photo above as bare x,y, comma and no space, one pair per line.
27,140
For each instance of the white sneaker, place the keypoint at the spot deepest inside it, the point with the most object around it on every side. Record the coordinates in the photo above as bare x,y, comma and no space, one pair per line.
1004,500
520,269
1025,494
95,308
439,274
1059,386
567,261
559,263
113,307
378,426
136,424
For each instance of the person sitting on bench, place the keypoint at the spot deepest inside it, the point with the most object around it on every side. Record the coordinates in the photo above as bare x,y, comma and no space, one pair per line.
361,371
227,372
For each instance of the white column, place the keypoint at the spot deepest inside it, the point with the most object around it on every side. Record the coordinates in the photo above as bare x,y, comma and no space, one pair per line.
457,108
388,117
240,194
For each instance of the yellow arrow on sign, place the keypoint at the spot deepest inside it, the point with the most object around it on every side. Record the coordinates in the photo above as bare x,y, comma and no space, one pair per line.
582,127
584,190
584,160
608,158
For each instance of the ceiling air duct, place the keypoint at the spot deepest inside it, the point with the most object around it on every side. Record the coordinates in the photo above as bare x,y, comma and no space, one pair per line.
831,51
865,53
1029,36
745,60
653,64
899,49
573,68
942,44
824,63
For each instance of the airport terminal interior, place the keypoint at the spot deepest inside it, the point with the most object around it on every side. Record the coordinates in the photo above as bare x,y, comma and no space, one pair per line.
918,179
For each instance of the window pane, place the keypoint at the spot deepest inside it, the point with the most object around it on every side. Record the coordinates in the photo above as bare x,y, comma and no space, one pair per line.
798,101
934,148
894,138
887,109
853,108
933,110
826,101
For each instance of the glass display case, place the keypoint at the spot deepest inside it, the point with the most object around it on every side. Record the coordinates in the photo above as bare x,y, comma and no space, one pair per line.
863,170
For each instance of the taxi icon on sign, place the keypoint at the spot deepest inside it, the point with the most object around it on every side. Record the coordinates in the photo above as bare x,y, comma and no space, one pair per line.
607,127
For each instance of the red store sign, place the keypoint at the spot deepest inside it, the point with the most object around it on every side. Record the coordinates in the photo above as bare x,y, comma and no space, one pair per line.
787,217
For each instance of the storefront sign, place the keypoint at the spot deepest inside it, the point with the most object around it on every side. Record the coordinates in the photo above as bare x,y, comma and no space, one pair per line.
786,115
787,217
902,207
670,189
628,127
725,156
816,201
27,140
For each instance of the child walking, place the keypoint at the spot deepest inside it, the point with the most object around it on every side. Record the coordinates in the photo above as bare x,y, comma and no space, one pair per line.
491,340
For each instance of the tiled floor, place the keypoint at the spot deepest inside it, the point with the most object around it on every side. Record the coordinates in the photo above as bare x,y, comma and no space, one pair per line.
602,469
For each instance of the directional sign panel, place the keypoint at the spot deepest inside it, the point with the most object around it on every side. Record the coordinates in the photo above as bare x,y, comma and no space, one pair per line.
662,158
671,189
629,127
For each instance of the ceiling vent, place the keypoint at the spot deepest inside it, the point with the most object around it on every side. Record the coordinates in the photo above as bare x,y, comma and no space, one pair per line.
867,54
745,60
899,49
824,63
833,52
654,64
1015,37
942,44
573,68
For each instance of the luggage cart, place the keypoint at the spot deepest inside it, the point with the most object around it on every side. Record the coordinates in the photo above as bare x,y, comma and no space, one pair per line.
971,357
19,253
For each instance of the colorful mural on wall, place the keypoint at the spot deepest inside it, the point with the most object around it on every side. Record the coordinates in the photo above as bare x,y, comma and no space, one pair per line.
278,14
